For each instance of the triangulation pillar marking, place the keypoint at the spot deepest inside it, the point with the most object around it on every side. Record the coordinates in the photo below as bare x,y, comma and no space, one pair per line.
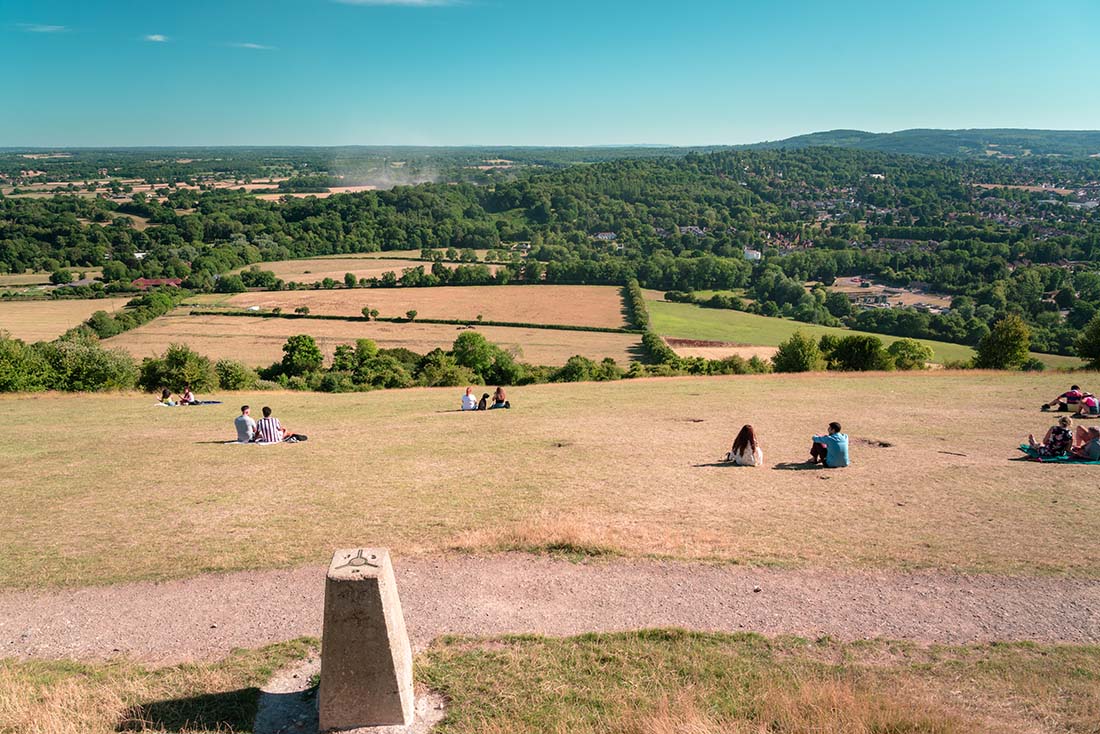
366,660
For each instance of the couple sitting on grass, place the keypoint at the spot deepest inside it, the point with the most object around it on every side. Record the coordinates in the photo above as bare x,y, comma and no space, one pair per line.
266,430
1061,441
185,398
1082,404
500,400
829,450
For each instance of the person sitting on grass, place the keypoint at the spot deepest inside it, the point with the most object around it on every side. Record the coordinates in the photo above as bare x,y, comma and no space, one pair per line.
269,430
469,402
500,400
830,450
188,397
746,451
166,398
1057,442
483,404
1089,408
1067,400
1087,444
245,425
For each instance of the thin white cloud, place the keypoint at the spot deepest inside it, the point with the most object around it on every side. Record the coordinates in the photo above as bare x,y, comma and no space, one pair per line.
405,3
40,28
252,46
156,38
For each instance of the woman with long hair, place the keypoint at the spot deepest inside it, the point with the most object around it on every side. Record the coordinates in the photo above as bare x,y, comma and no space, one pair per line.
746,450
500,399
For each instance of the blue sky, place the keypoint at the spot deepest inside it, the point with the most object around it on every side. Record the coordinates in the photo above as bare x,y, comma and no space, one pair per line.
535,72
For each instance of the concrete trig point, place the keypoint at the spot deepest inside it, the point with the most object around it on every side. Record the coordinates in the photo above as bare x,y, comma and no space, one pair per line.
366,660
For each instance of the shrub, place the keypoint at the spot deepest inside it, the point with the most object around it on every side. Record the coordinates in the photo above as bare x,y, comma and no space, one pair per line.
577,369
234,375
1006,346
301,355
1033,364
1087,344
180,366
230,284
439,369
22,368
634,302
910,354
860,352
800,353
81,364
411,314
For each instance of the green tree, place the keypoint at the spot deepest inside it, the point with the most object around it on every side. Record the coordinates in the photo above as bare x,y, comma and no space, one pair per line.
234,375
473,350
860,352
800,353
1006,346
301,355
303,310
350,280
910,354
178,367
411,314
366,312
60,277
1087,344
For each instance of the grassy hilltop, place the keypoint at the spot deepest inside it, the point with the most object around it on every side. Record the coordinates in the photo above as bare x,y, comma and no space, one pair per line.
113,489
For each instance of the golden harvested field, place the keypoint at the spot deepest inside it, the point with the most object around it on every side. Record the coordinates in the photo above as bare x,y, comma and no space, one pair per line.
625,466
315,270
259,341
573,305
34,321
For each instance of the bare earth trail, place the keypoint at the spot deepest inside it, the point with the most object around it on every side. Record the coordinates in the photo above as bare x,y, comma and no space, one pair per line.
203,618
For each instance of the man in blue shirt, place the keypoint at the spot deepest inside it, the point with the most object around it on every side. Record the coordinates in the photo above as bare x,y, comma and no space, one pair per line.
830,450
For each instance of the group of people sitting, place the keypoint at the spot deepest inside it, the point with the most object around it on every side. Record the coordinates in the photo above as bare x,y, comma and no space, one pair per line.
266,430
185,398
1061,440
830,449
1075,400
470,402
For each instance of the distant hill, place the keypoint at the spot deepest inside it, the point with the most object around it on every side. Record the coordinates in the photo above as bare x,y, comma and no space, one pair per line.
992,143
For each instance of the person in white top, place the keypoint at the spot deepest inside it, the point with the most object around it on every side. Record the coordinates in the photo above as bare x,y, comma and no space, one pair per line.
746,451
469,402
246,426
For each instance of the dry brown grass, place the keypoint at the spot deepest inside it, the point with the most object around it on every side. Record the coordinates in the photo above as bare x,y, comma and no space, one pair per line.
34,321
259,341
72,698
573,305
315,270
626,467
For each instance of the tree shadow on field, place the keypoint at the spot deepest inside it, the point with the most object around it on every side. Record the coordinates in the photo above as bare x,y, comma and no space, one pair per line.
225,711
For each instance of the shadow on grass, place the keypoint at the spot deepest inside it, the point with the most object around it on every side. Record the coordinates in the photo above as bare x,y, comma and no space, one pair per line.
215,443
226,711
799,466
716,463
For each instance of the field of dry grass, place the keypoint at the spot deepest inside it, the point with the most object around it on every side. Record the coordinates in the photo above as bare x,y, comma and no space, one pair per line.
34,321
112,488
259,341
574,305
647,682
314,270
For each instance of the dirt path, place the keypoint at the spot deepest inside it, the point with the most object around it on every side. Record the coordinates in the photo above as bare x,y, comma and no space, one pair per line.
203,618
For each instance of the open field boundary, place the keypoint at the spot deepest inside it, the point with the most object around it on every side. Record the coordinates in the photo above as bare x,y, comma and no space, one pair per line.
399,320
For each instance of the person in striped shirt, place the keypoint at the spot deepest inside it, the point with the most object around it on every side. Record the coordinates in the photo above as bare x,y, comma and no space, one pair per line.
269,430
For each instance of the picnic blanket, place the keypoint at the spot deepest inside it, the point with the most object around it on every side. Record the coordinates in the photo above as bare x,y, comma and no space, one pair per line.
1034,456
177,405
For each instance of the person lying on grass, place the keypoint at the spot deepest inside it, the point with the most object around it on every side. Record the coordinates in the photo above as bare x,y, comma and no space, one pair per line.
1068,400
166,398
1058,440
500,400
269,430
831,449
245,425
1086,444
746,451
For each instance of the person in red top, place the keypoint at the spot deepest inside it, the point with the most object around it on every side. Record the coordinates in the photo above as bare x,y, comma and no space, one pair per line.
1068,400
